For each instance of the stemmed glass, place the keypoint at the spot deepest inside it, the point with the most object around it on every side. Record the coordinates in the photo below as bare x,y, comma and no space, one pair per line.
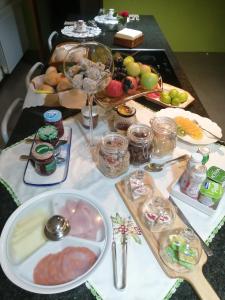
89,66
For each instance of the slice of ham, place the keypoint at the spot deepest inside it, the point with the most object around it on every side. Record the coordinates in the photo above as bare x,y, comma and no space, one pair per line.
84,219
64,266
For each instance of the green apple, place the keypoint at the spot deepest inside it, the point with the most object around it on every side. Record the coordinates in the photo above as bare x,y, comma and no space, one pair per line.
133,69
175,101
173,93
127,60
165,98
145,69
149,80
183,96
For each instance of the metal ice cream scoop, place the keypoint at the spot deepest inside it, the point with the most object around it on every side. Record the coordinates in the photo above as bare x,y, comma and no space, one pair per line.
56,228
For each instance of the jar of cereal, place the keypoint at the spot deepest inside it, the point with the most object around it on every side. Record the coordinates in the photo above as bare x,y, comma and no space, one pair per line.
164,136
140,143
114,158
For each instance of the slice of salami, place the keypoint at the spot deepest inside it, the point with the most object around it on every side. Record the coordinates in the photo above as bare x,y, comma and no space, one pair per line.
64,266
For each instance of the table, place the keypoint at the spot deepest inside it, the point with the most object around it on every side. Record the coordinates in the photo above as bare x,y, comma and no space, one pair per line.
31,120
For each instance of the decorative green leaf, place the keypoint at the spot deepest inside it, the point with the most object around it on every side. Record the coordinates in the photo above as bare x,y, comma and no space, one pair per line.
136,238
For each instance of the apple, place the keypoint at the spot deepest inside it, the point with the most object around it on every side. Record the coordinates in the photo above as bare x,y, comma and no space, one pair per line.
175,101
114,88
183,96
133,69
127,60
130,85
165,98
173,93
144,69
149,80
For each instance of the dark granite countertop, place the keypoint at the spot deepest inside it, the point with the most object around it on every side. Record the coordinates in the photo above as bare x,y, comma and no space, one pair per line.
31,120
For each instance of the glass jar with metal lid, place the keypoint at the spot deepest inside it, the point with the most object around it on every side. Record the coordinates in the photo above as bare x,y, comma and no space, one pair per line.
86,116
164,136
114,158
48,134
54,117
124,118
140,143
43,157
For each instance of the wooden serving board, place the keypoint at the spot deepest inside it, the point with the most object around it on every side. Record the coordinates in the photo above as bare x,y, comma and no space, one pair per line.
195,277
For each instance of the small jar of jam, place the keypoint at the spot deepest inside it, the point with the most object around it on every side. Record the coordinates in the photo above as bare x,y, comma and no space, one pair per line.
54,117
140,143
86,116
43,157
114,157
48,134
125,117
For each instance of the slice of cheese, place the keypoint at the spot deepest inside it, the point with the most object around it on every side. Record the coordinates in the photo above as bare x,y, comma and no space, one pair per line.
28,235
28,224
24,247
128,34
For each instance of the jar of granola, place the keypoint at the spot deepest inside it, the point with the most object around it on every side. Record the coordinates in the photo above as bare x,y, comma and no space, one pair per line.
140,143
114,158
164,136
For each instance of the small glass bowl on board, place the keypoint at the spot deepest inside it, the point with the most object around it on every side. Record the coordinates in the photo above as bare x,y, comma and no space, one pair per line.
157,214
180,249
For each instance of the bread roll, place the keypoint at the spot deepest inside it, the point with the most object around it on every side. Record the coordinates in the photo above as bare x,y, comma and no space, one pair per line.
60,54
51,69
52,78
63,85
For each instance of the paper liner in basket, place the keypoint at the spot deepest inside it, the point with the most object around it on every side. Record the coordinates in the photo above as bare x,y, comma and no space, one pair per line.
73,98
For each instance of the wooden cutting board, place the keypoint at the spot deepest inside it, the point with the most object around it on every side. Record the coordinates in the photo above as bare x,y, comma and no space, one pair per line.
195,277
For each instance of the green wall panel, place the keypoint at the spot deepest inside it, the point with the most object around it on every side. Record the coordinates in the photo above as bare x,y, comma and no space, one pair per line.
188,25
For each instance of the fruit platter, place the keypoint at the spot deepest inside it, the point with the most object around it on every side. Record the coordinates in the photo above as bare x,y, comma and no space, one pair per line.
190,126
131,79
171,96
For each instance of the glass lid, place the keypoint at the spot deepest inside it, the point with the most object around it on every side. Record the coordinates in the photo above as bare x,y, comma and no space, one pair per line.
54,241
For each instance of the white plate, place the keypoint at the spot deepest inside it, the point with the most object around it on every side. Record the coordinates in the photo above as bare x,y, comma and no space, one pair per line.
91,32
155,97
105,19
21,273
204,122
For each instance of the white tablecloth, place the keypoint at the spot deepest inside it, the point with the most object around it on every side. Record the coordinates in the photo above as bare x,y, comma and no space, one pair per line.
146,280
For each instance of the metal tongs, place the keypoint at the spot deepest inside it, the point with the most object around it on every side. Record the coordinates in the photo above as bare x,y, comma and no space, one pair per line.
117,284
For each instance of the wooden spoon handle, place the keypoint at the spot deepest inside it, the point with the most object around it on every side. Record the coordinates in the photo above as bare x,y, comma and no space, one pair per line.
202,286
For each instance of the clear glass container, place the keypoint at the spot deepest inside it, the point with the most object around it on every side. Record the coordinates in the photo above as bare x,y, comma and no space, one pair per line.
180,249
164,136
136,186
114,158
157,213
124,118
140,143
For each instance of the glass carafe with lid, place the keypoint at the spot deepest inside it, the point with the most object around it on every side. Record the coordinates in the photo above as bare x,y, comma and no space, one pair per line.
164,136
140,143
